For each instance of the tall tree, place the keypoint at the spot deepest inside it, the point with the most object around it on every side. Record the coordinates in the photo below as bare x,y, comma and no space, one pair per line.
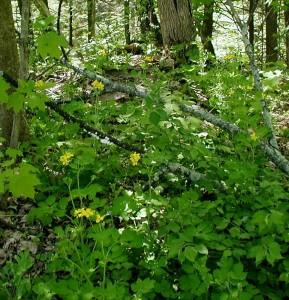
9,63
176,19
91,19
286,18
126,10
271,32
207,27
149,22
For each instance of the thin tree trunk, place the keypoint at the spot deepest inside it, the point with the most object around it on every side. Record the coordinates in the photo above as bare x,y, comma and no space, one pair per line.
70,42
19,125
9,63
286,19
271,33
126,11
251,24
42,6
207,30
91,19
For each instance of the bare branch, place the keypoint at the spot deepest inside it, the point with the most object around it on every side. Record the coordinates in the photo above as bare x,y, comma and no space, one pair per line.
258,84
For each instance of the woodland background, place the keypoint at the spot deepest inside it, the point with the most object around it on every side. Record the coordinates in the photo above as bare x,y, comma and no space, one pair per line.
144,149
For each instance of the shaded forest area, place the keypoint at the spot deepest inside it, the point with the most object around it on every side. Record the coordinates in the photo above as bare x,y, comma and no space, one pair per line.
144,149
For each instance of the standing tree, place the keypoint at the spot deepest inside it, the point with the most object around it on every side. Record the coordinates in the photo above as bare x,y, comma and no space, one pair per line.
271,32
149,23
91,19
9,64
207,28
286,19
176,20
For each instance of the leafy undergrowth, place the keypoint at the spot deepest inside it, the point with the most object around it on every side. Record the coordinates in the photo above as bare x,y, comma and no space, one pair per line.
108,223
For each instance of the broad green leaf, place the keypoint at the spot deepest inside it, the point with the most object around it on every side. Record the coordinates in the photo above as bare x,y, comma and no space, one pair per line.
154,118
2,179
143,286
4,86
258,252
16,102
191,253
50,43
37,100
274,252
23,181
202,249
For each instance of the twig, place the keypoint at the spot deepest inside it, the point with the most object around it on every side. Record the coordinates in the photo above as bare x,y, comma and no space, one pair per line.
101,135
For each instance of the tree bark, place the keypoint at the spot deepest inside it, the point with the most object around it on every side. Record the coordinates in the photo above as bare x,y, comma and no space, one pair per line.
207,30
126,11
271,33
91,19
176,20
286,19
9,63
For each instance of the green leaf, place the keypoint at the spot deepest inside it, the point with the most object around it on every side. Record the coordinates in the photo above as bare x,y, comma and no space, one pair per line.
154,118
4,86
50,43
202,249
37,100
143,286
258,252
23,181
274,252
191,253
16,102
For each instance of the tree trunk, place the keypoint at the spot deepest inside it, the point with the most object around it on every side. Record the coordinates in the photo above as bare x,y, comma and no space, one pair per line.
286,18
271,33
91,19
207,30
251,25
19,126
70,42
126,11
9,63
149,22
176,22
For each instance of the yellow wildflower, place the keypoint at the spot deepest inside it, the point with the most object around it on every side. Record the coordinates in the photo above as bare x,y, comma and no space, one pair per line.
84,212
254,137
98,85
39,83
148,58
66,158
102,52
134,158
99,218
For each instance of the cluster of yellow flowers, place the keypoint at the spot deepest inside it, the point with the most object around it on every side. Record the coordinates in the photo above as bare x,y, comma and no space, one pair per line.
102,52
39,83
88,212
98,85
254,137
66,158
134,158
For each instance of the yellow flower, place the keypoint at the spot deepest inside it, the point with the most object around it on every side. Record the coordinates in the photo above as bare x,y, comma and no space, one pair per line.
148,58
254,137
98,85
102,52
99,218
134,158
84,212
66,158
39,83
